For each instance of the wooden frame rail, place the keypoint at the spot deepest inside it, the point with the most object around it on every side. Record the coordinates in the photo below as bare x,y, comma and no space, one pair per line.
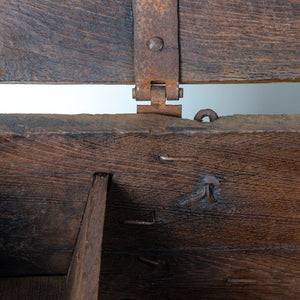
92,42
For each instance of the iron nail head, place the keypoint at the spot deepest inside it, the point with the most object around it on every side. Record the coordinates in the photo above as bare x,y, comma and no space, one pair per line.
156,44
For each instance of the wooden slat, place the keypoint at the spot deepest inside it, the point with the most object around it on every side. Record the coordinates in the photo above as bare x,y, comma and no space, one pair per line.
65,125
249,237
88,41
66,41
84,272
233,40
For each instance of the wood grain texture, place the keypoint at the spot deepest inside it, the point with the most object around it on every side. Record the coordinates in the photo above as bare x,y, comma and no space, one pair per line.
88,41
34,124
40,214
84,271
246,244
32,288
239,40
66,41
201,274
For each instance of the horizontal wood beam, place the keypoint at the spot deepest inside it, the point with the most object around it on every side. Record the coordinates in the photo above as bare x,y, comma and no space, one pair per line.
92,42
156,243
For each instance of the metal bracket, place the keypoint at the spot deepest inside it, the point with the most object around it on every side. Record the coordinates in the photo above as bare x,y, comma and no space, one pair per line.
156,56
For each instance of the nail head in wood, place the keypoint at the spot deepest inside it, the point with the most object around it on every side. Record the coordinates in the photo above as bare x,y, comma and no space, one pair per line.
206,191
156,44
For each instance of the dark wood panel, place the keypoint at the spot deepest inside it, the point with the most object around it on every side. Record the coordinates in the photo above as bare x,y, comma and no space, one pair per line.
88,41
201,274
32,288
178,274
40,217
248,237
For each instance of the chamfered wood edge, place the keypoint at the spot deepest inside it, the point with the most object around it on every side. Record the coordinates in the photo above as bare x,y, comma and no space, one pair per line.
28,124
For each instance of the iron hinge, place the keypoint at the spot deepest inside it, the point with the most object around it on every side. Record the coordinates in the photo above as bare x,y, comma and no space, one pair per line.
156,56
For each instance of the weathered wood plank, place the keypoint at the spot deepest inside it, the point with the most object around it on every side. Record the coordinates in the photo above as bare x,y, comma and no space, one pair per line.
28,124
239,40
66,41
88,41
251,229
84,271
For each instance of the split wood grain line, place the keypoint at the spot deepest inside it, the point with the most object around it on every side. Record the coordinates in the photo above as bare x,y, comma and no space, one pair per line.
84,272
220,41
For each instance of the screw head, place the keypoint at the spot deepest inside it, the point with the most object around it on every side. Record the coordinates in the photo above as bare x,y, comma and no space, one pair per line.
155,44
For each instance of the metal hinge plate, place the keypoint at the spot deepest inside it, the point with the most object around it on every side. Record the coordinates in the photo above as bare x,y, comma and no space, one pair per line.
156,55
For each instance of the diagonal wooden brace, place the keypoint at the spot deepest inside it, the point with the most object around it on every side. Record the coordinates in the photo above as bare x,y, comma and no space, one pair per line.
84,271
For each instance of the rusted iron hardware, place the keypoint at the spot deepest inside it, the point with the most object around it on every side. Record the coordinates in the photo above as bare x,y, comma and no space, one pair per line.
201,114
156,56
207,191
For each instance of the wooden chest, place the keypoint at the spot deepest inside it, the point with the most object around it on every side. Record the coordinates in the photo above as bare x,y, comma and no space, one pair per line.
168,208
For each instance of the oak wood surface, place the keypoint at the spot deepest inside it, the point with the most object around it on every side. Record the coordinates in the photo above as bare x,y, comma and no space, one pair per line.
246,244
84,271
88,41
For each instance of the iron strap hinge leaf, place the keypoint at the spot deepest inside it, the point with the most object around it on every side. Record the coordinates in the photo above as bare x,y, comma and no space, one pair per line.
156,56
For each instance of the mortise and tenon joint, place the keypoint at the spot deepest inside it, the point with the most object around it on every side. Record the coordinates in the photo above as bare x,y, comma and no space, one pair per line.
156,56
